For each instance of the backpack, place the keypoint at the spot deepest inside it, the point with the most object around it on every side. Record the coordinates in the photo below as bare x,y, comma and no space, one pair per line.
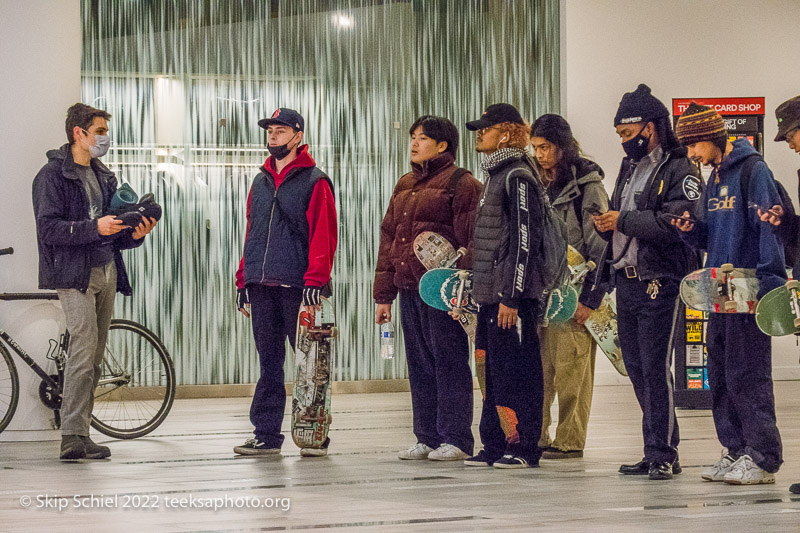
551,259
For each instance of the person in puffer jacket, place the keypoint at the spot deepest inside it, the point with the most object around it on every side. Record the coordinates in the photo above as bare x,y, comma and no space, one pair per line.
440,197
575,187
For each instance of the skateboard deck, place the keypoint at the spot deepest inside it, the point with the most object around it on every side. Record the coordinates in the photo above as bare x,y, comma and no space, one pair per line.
434,251
778,312
722,289
563,301
602,325
447,289
314,351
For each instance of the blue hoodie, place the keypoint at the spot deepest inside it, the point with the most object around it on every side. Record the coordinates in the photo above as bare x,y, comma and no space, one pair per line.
730,231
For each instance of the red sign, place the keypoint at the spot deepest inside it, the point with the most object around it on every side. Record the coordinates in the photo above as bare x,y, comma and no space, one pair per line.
723,106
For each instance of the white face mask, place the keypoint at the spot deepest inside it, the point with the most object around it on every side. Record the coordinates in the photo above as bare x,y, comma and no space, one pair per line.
101,145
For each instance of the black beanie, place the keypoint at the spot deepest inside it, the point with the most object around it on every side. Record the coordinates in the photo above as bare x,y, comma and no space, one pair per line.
639,106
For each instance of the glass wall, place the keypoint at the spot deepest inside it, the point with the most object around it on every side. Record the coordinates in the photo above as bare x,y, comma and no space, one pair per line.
187,80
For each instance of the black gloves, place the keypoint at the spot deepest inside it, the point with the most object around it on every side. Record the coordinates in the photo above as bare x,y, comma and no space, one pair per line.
242,299
311,296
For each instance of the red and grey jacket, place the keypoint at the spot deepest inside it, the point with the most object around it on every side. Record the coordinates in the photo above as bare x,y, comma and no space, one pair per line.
291,226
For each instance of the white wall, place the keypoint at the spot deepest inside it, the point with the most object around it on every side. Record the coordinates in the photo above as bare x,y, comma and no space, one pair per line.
681,48
40,68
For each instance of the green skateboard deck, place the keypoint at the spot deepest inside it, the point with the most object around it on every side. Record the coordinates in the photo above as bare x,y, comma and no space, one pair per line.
314,351
448,289
722,289
563,301
778,312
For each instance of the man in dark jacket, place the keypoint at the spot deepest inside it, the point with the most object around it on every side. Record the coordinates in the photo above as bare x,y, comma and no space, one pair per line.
435,196
739,354
79,256
645,260
287,262
506,241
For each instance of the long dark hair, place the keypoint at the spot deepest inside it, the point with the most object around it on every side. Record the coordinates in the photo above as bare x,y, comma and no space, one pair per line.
666,136
556,130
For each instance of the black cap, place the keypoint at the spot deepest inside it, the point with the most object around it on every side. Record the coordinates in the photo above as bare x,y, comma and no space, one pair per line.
639,106
788,115
285,117
496,114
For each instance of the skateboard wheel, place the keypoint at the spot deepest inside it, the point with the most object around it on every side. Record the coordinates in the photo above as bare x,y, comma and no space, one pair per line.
797,322
591,265
463,274
730,306
334,332
329,419
303,330
727,267
792,284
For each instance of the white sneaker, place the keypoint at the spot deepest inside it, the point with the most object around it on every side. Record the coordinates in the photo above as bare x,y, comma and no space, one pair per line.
719,469
448,452
416,452
745,472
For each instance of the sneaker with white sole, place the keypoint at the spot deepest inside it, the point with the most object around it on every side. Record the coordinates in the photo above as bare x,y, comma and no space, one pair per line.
322,451
745,472
483,458
717,471
448,452
255,447
511,461
415,452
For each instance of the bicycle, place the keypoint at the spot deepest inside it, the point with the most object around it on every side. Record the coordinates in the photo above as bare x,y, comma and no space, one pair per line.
137,384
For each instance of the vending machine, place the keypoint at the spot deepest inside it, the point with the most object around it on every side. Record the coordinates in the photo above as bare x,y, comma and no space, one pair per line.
744,117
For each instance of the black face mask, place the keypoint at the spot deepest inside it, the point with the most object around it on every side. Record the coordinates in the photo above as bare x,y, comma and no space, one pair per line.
280,152
637,147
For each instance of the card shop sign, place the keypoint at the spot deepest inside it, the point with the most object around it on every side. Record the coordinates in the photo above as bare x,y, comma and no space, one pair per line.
723,106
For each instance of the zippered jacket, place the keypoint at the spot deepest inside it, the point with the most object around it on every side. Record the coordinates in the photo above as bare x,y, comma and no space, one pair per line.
66,234
674,187
291,226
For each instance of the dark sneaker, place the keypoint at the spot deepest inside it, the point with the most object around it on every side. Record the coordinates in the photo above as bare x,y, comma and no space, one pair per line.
555,453
72,448
795,488
322,451
660,471
255,447
95,451
512,461
482,458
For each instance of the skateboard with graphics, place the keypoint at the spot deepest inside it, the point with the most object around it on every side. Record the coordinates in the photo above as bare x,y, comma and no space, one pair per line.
314,352
723,289
778,312
563,301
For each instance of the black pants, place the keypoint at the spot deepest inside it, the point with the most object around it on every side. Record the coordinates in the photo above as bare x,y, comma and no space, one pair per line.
511,419
740,377
644,329
437,351
274,315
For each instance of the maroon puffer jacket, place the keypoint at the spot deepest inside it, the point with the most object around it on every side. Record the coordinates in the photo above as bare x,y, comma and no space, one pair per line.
422,202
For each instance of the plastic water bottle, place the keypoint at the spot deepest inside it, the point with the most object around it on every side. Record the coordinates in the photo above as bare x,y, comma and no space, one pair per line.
387,340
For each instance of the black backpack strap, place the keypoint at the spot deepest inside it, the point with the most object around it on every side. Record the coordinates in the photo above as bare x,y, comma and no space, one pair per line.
454,179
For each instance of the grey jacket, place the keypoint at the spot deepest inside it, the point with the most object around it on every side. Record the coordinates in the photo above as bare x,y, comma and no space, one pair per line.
582,187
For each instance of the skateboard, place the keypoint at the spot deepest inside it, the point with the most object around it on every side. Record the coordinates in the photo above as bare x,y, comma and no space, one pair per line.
448,289
434,251
722,289
563,301
778,312
602,326
314,351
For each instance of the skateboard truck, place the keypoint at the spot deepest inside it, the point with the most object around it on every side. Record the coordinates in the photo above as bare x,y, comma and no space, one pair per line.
461,252
727,288
463,275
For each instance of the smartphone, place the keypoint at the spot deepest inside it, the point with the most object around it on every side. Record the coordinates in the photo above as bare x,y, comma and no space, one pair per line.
678,217
594,209
753,205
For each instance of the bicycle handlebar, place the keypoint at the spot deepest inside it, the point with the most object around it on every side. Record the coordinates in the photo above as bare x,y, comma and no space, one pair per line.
7,251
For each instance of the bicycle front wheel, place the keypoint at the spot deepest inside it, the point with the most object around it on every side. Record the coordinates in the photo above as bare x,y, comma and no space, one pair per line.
9,388
137,383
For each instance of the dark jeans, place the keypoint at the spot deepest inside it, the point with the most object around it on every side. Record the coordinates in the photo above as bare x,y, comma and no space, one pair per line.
511,419
438,372
274,315
740,377
644,326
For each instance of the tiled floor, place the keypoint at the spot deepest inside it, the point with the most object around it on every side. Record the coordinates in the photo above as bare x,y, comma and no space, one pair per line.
361,486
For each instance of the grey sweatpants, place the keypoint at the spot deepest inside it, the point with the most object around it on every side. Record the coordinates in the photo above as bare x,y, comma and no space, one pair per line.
88,317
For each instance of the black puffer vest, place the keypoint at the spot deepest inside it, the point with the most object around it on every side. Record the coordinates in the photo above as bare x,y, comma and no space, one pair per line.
276,249
491,263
